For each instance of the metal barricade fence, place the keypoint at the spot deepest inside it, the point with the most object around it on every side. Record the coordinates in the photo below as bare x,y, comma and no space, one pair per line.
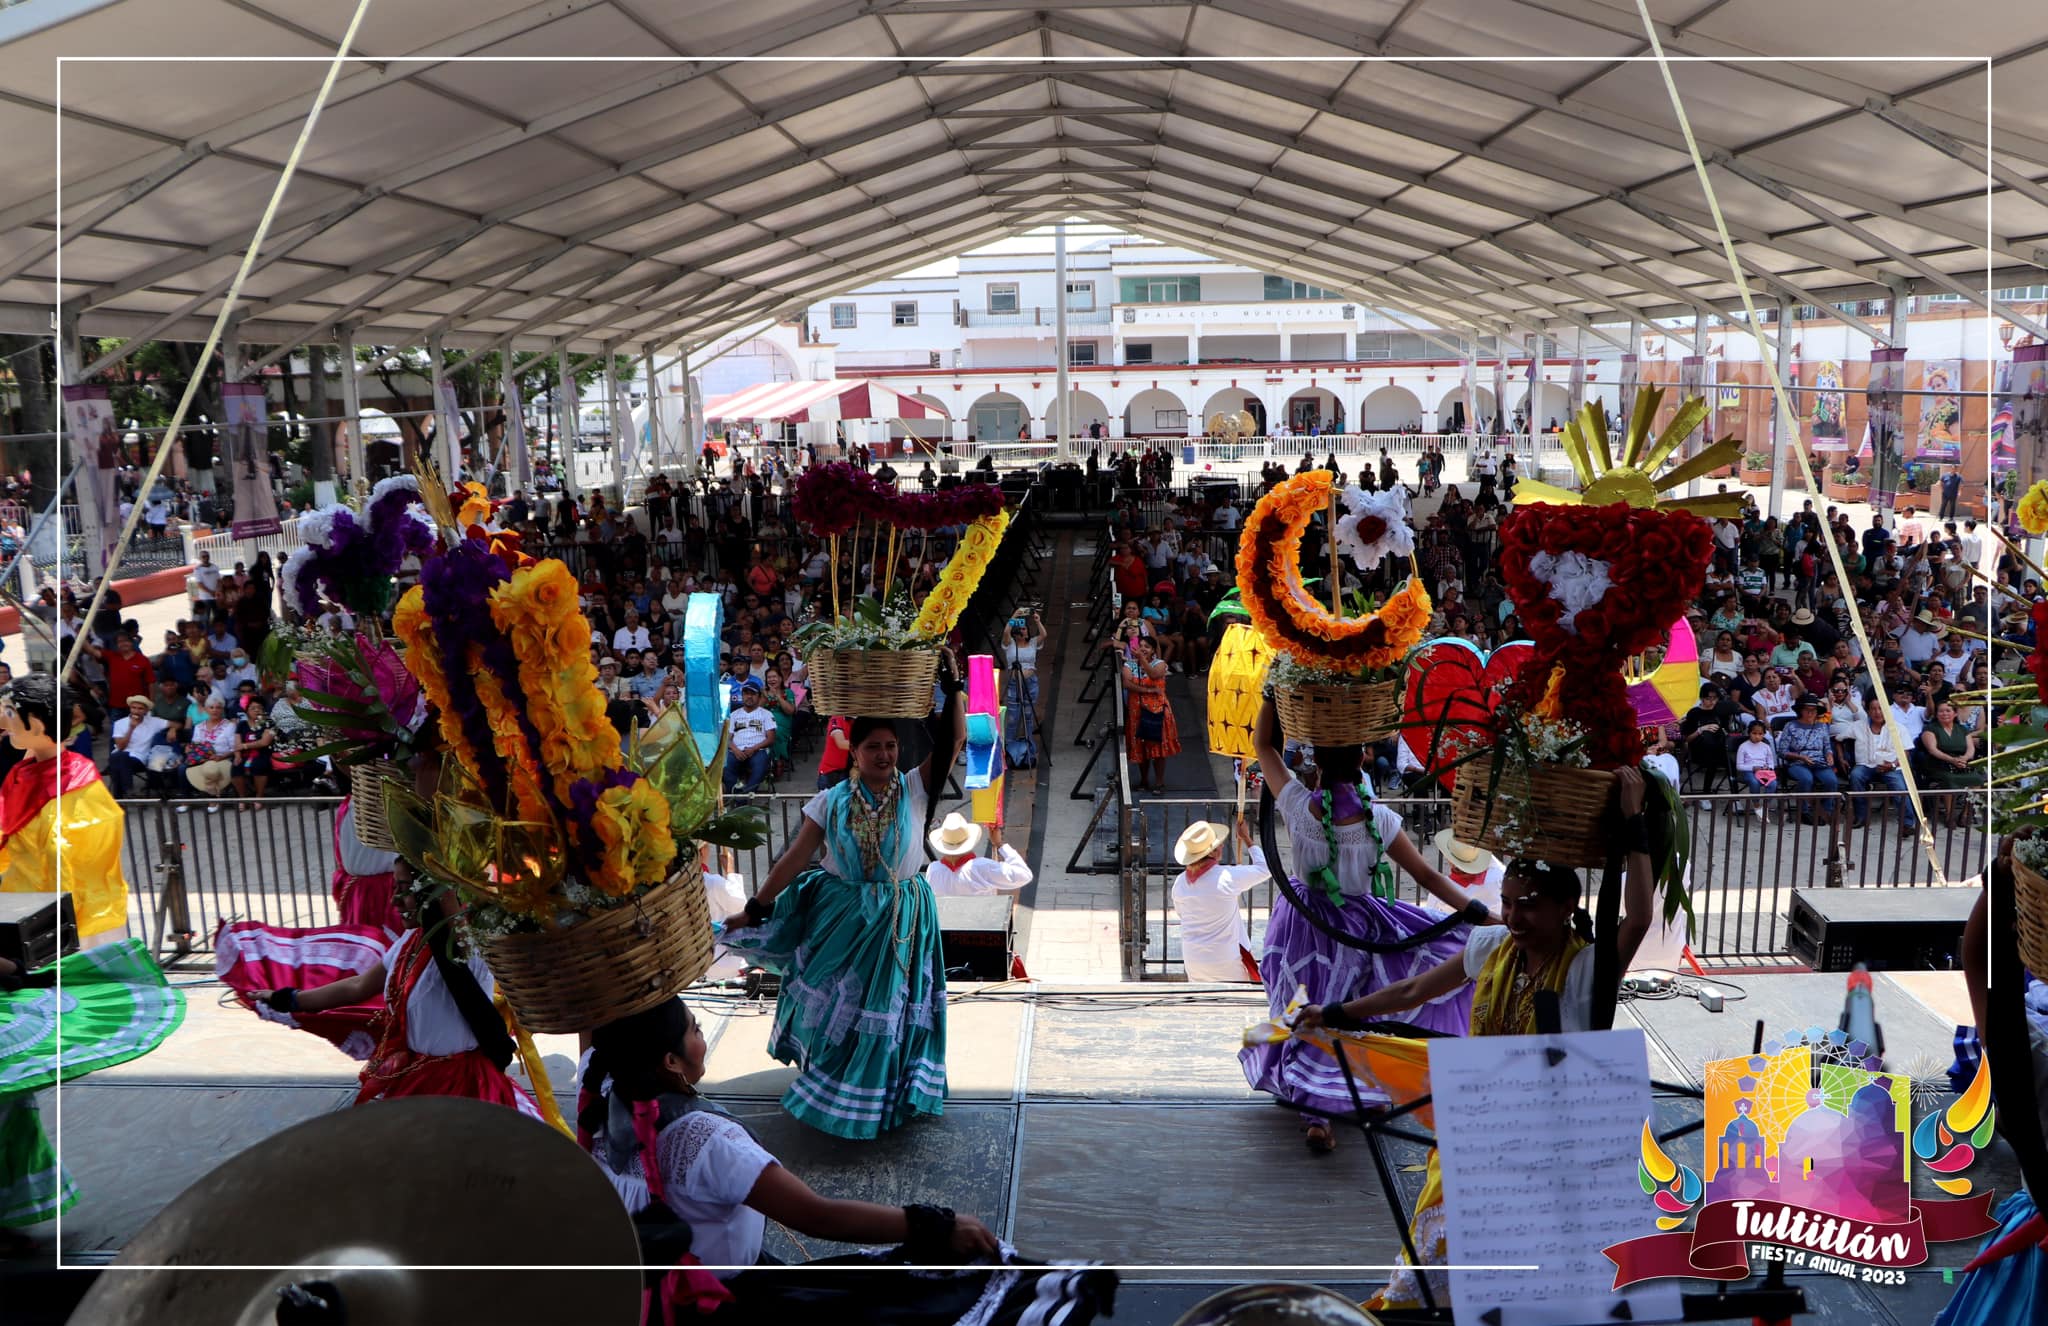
194,864
1744,867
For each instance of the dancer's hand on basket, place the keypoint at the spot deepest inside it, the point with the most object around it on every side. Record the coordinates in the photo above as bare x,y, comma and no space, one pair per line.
971,1238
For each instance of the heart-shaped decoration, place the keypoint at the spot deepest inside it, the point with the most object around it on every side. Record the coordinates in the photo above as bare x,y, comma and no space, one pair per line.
1652,564
1452,691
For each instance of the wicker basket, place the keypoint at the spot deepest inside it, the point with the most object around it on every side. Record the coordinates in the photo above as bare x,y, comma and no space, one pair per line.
873,683
626,960
2031,893
1564,822
366,794
1339,713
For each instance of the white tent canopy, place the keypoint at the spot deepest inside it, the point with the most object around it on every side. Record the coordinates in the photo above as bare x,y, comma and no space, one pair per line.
817,402
470,181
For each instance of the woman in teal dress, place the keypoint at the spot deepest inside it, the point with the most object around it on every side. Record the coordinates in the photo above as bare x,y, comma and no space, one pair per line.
862,1010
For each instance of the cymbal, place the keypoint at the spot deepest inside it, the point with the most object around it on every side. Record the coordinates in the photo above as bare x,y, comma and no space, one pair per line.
1277,1305
358,1200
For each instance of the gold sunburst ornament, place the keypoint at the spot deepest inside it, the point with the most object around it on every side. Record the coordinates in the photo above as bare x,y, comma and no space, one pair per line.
1633,479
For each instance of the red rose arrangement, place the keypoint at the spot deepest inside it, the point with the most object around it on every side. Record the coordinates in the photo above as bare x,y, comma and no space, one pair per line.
832,499
1654,564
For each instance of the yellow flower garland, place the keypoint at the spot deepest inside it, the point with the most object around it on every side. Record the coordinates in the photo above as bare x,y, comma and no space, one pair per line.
970,562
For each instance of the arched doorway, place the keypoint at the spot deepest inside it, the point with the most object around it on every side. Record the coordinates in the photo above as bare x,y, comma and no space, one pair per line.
997,417
1450,411
1314,410
1552,402
1233,400
1389,410
1156,412
1084,410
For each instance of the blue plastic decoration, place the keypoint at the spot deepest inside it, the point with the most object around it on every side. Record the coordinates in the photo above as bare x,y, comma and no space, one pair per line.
705,701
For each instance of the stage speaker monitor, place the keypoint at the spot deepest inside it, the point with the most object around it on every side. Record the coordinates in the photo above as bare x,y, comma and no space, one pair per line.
1885,929
976,935
36,929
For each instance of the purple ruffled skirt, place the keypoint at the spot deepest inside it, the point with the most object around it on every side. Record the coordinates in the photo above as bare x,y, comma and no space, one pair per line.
1298,954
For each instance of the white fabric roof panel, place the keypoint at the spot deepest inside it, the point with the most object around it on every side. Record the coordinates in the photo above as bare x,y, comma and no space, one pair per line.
686,191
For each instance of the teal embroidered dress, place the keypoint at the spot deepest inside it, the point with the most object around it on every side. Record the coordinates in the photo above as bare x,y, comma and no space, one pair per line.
862,1011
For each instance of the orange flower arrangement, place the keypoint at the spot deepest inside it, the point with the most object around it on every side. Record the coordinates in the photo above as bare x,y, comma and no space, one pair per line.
1289,617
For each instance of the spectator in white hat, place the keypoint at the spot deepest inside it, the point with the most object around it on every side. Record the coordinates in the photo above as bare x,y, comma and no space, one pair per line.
1214,943
958,871
1473,869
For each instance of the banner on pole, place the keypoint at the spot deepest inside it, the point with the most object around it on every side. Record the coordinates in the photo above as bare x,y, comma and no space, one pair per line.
1689,367
1884,398
246,452
450,424
515,437
2029,431
1576,393
1471,394
1631,372
568,431
1941,413
1503,421
89,415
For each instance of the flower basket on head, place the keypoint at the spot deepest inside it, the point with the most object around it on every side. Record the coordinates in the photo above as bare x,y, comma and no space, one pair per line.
877,656
884,683
2030,888
1335,679
1339,714
619,963
367,785
1551,812
575,859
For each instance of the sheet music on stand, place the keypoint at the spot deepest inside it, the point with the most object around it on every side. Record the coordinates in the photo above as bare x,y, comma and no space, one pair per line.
1538,1138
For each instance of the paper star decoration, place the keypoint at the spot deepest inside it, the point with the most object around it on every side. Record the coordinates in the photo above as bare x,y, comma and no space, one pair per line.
1633,479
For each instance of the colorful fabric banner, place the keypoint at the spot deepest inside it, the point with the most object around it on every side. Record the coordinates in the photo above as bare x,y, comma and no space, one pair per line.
2027,389
245,450
1631,373
1884,399
1941,412
89,418
1829,403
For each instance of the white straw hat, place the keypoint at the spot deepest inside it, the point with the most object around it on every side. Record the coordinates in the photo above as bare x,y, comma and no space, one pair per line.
1463,856
1200,839
955,837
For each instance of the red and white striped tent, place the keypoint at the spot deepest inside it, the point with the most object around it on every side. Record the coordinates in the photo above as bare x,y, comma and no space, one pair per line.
813,402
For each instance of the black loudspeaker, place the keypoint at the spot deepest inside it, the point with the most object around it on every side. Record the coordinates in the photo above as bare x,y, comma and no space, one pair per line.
36,929
1896,929
976,934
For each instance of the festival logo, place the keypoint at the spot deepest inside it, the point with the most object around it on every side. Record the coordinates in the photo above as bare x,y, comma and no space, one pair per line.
1807,1162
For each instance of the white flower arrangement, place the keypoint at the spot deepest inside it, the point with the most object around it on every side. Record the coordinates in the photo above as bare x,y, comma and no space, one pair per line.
1375,526
391,484
288,575
317,526
1575,580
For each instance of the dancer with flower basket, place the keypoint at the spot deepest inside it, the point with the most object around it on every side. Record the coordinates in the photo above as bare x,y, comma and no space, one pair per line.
846,915
1336,929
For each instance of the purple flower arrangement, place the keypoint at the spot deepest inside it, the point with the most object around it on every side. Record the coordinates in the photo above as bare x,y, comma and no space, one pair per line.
352,562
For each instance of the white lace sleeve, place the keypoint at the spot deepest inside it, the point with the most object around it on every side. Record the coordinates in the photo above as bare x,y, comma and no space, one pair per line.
1304,828
710,1158
632,1188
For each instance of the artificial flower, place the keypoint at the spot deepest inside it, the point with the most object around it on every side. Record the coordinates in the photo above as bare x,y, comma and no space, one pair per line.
2033,509
1375,526
970,562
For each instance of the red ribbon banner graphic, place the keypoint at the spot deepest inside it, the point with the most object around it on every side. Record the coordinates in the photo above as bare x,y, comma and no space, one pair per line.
1714,1249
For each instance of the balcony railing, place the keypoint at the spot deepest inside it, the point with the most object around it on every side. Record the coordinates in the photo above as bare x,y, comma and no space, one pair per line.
1046,316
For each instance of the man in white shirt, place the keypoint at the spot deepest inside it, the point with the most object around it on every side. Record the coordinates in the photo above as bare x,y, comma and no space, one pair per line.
203,585
957,871
1214,943
238,670
1875,764
1916,645
1908,714
134,734
632,635
1227,517
1973,545
1955,661
1473,869
753,730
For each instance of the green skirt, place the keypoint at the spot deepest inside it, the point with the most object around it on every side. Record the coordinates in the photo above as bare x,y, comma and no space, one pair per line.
33,1187
862,1012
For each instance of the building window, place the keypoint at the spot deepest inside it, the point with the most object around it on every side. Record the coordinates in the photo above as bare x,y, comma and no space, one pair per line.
1279,287
903,314
842,316
1081,354
1080,296
1002,298
1137,352
1160,289
1169,421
